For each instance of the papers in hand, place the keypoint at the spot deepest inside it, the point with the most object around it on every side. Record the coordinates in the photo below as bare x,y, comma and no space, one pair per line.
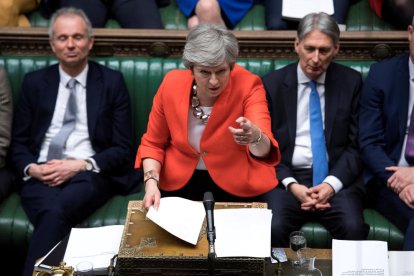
297,9
241,232
96,245
179,216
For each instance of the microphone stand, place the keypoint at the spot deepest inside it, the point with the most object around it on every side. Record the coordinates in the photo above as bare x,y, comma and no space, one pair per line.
208,202
211,264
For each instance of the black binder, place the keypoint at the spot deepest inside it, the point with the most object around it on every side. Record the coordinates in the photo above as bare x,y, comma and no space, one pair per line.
54,257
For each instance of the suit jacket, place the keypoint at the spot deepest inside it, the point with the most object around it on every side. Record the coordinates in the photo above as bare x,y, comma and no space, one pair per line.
384,114
6,114
231,166
342,89
108,111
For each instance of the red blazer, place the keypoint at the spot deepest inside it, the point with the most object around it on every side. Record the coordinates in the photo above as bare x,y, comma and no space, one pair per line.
230,165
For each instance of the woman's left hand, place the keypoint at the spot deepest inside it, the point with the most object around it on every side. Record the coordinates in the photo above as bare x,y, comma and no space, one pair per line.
248,133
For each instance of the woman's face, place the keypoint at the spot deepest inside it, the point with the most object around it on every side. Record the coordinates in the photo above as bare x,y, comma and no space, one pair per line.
211,81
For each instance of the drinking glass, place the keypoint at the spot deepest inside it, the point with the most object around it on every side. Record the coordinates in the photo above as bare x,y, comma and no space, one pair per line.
297,241
84,268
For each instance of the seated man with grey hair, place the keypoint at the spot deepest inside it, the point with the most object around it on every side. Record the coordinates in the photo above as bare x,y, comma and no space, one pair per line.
314,110
72,136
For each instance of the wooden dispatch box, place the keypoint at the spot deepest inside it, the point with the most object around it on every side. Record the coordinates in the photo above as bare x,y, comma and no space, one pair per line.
147,249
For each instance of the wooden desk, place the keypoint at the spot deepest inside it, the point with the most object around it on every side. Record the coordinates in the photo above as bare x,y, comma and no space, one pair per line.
321,254
323,262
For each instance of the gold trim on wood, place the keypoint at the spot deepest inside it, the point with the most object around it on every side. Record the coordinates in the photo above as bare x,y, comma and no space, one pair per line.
169,43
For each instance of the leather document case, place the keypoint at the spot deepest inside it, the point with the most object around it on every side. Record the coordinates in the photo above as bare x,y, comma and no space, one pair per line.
147,249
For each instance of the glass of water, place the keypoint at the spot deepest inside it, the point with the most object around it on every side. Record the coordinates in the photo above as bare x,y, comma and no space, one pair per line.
297,241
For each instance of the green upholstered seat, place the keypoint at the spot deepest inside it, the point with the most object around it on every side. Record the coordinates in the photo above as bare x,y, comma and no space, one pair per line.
143,76
360,18
379,229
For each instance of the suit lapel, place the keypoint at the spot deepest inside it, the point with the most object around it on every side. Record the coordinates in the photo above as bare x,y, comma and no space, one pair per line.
184,102
403,88
48,96
290,97
94,91
332,96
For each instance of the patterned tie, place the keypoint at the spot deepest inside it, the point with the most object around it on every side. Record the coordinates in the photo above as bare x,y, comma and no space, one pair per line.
320,162
59,140
409,146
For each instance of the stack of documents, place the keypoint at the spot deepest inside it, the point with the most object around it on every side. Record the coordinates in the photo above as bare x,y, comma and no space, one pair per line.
240,232
369,258
297,9
95,245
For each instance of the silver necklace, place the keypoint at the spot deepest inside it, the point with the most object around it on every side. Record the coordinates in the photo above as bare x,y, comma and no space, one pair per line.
198,112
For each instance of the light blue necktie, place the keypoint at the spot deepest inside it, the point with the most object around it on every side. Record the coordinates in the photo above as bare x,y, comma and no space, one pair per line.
58,142
320,162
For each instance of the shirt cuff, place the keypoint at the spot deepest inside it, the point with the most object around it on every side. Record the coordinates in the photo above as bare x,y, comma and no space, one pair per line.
26,176
334,182
288,180
95,165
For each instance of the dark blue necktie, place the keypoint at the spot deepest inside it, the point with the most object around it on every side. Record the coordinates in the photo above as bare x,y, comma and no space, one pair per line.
409,146
320,162
58,142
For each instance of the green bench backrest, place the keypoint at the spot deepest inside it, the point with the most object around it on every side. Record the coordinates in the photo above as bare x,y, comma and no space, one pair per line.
142,76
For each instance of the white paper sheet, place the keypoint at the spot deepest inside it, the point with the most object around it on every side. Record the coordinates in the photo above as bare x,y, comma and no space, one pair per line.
359,258
179,216
240,232
243,232
96,245
401,263
297,9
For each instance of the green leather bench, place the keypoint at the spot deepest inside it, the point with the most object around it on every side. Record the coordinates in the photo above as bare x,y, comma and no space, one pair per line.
360,18
143,76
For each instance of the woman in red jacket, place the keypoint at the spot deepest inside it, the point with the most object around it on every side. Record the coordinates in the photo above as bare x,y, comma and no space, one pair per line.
209,127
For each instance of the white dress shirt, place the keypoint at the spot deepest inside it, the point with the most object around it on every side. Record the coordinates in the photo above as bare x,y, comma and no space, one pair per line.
78,145
302,153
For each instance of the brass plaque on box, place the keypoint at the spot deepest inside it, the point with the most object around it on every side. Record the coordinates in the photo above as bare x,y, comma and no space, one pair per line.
147,249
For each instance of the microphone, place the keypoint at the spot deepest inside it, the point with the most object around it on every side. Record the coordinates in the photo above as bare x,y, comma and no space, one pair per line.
208,202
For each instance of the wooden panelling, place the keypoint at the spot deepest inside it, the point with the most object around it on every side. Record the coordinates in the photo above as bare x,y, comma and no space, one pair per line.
370,45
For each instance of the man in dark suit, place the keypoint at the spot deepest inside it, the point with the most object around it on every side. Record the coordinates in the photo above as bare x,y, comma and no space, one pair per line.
386,124
326,190
60,189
